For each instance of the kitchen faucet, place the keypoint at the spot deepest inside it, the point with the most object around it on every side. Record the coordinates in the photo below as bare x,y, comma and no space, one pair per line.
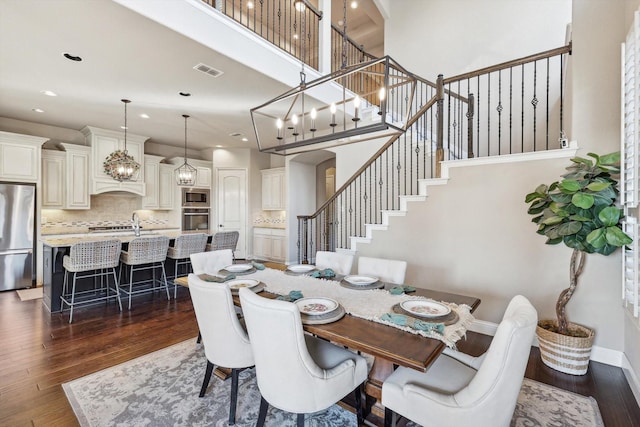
135,224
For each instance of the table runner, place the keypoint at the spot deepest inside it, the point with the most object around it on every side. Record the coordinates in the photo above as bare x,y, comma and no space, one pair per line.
366,304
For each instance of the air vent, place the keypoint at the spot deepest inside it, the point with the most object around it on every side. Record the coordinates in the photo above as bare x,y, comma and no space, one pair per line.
209,70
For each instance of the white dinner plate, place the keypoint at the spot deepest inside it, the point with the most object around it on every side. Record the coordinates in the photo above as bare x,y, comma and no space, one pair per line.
425,308
301,268
361,280
238,268
243,283
316,306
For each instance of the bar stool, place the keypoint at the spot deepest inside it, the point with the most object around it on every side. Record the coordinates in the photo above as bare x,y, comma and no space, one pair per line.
145,253
92,258
180,252
224,240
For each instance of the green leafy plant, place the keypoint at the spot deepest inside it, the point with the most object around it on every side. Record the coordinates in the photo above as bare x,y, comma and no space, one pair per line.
580,211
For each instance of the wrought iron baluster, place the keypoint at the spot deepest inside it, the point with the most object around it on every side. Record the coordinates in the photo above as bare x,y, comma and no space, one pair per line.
522,112
499,110
534,102
511,109
546,144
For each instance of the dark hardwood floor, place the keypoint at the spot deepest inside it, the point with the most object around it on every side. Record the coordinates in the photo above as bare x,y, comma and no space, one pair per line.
39,352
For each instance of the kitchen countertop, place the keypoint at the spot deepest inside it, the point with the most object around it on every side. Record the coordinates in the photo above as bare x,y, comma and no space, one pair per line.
124,236
270,226
59,231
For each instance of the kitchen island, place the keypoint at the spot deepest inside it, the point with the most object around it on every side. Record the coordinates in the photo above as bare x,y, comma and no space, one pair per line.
56,247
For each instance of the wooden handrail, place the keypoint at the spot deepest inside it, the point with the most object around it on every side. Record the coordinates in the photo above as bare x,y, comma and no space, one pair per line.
502,66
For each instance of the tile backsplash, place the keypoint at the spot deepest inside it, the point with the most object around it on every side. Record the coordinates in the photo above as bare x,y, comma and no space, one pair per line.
106,210
270,219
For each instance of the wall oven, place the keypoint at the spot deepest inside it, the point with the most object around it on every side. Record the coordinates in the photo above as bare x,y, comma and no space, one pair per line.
195,219
195,198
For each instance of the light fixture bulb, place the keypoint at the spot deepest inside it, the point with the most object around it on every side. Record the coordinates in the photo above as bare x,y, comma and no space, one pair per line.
356,102
294,119
354,4
279,123
314,114
299,5
249,5
332,108
382,93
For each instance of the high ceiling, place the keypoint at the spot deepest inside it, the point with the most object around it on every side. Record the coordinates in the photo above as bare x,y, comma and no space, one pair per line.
125,55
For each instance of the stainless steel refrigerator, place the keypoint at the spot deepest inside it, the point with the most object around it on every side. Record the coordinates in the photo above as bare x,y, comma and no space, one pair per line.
17,216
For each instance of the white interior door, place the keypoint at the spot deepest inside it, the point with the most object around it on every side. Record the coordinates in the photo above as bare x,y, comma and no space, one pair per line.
232,205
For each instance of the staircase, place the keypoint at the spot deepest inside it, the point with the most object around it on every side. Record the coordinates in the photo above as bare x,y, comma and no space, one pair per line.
513,107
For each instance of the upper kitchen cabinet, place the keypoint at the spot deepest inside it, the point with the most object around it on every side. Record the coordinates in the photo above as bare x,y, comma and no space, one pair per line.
273,189
159,182
20,157
203,168
103,142
65,178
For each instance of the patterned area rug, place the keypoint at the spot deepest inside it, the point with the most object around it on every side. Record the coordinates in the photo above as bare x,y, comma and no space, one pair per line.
161,389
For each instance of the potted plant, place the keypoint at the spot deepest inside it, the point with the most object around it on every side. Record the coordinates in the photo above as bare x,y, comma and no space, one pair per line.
580,211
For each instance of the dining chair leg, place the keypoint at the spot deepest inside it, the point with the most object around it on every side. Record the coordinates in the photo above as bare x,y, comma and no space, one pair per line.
262,414
199,338
358,399
234,396
300,420
389,418
207,378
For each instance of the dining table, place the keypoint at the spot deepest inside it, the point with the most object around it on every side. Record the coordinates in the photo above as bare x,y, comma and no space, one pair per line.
384,344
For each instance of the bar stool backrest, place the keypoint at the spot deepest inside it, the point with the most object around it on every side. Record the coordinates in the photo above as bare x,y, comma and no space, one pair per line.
187,244
225,240
85,256
145,250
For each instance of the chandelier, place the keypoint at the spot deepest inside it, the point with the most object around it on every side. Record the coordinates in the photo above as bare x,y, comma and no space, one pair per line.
347,106
119,165
186,174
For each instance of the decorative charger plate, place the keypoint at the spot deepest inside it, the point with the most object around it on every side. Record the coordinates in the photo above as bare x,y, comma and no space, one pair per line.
323,319
449,319
256,289
316,306
242,283
361,280
301,268
427,309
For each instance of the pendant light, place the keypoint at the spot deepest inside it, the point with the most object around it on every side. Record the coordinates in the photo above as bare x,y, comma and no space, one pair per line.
186,174
119,165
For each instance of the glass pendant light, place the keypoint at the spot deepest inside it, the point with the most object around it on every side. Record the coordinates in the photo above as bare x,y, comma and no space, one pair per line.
186,174
119,165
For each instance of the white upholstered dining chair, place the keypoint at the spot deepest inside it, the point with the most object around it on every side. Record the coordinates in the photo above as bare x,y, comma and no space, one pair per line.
297,372
340,263
459,390
211,262
226,343
387,270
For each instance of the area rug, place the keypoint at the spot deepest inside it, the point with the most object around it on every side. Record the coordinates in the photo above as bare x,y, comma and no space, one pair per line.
29,294
161,389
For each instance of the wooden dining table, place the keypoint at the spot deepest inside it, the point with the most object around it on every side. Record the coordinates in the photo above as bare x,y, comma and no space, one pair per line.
390,347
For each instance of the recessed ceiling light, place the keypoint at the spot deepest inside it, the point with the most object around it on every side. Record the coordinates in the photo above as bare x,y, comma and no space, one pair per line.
144,115
184,93
48,93
354,4
219,146
72,57
124,127
245,139
37,110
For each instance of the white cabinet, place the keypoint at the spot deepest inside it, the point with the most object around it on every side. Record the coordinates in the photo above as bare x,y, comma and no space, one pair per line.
20,157
103,142
53,178
269,244
273,189
78,165
65,178
158,180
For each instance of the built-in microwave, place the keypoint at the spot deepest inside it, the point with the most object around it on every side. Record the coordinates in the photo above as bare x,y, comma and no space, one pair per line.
195,198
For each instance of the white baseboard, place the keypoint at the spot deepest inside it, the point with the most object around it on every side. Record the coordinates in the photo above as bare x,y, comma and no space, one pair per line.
632,378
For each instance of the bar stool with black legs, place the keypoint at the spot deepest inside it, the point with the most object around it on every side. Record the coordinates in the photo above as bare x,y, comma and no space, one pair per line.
145,253
224,240
180,252
97,259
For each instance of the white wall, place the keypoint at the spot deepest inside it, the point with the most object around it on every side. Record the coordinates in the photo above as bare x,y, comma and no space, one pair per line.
301,200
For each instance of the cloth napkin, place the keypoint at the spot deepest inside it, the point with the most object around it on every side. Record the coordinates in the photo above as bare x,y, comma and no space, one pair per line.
257,265
403,289
326,273
217,279
420,325
293,296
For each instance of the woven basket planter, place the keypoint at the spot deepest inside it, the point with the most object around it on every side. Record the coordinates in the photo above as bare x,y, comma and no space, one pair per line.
566,353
